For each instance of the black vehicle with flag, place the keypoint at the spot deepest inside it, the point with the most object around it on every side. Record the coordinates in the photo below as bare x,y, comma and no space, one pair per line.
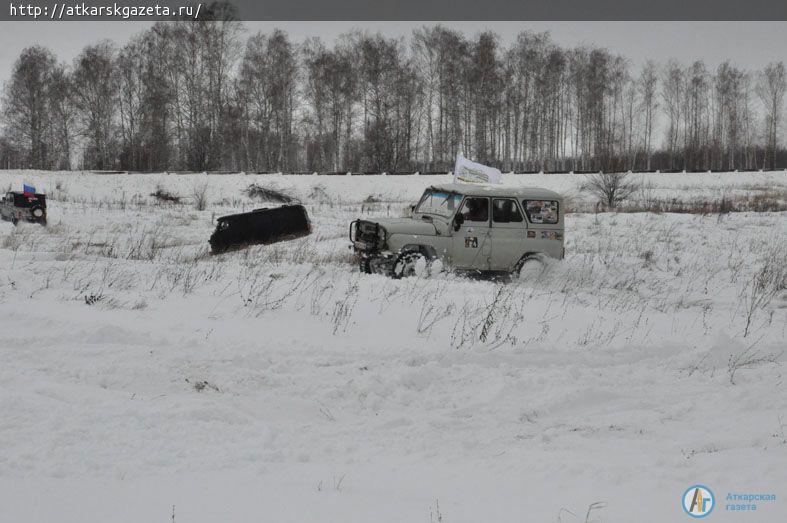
27,206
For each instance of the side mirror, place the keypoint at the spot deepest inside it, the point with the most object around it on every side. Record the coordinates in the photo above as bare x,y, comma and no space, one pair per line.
459,219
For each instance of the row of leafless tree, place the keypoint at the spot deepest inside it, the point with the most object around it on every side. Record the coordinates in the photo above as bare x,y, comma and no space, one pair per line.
193,95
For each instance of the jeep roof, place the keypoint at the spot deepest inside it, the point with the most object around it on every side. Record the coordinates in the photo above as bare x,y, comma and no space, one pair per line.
241,215
471,189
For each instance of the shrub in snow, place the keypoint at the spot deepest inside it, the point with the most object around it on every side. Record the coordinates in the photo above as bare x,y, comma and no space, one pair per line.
265,194
199,194
162,195
610,188
319,194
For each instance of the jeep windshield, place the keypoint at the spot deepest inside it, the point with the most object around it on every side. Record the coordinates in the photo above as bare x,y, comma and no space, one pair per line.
439,203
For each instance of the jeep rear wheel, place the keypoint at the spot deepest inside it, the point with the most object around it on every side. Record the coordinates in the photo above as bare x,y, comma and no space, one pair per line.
530,267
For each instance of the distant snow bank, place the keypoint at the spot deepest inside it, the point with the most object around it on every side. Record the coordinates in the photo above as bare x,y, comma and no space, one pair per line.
356,189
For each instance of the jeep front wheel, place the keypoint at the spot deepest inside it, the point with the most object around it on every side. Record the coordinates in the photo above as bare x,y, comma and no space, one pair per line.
364,265
409,264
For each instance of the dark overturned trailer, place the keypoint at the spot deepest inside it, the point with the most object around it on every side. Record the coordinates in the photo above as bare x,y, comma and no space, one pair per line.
260,226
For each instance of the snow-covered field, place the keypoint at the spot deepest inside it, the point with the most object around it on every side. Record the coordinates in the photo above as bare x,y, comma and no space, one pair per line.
138,373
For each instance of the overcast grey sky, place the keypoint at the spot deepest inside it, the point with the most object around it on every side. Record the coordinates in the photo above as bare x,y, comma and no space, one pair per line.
748,44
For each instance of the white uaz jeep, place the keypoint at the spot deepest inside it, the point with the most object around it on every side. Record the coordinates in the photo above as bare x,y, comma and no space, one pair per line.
468,227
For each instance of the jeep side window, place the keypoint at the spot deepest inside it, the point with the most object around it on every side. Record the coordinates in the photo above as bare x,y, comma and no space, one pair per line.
541,211
475,210
505,211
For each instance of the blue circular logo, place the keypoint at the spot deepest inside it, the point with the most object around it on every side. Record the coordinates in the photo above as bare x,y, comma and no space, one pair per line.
698,501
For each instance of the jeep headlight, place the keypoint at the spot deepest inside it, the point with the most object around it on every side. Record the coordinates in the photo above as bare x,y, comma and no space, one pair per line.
38,213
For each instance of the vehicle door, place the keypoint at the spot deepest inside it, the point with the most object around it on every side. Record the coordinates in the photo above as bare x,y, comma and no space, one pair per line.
470,245
508,234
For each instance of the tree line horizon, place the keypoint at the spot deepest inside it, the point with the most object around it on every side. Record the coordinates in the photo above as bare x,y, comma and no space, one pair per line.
200,95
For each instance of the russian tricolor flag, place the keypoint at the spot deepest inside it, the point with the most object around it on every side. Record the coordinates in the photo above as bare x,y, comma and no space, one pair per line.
28,190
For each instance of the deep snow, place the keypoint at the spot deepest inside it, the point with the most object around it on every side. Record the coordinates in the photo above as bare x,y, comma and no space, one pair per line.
279,384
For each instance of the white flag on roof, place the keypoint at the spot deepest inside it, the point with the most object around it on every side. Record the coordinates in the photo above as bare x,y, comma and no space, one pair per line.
472,172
